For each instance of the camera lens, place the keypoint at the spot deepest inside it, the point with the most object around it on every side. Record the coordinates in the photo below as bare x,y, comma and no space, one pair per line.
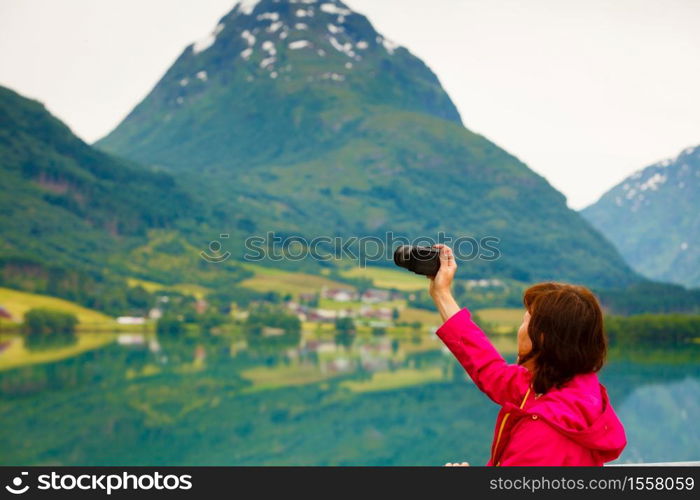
402,256
420,260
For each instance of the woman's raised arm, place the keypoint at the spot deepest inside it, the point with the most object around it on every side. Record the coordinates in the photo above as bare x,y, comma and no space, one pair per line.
499,380
441,283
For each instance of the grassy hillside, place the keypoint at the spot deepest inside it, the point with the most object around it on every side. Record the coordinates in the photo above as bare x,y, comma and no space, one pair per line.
75,222
383,277
17,303
61,198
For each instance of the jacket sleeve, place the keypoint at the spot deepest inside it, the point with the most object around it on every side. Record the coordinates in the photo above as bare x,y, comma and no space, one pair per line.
500,381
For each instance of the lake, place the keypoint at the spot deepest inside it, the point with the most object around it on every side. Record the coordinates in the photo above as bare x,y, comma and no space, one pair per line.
307,399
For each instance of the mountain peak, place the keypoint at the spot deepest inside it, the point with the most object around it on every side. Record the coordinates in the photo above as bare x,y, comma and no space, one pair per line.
267,38
291,73
653,218
639,188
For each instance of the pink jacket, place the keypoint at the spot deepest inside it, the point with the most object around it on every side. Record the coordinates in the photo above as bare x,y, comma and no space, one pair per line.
574,425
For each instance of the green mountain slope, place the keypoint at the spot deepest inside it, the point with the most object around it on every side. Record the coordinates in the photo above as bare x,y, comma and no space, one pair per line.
61,199
298,117
653,217
75,221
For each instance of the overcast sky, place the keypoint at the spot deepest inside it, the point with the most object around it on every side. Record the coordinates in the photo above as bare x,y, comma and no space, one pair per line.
585,92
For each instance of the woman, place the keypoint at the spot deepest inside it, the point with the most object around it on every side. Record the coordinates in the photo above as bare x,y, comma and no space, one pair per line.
554,410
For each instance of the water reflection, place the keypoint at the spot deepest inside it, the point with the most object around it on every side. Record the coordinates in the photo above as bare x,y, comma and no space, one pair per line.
304,398
40,342
675,407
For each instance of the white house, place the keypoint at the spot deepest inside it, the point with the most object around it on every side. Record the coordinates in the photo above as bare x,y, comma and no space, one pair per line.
131,320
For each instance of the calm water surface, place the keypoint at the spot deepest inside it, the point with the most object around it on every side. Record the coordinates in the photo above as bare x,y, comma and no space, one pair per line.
303,400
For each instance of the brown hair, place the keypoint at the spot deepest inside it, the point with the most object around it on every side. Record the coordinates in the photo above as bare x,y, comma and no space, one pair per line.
566,330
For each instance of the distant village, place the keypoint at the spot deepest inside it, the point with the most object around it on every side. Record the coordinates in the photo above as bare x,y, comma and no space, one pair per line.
373,305
306,307
369,299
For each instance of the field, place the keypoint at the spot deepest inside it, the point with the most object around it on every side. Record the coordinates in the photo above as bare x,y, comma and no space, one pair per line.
197,291
17,303
427,318
283,282
399,279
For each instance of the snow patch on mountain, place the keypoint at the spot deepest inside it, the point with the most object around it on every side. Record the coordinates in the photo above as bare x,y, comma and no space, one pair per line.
336,77
389,45
272,16
247,6
653,182
299,44
267,62
330,8
208,41
248,37
274,26
270,48
345,48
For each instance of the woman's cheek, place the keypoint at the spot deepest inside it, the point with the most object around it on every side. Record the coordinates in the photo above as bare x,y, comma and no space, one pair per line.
524,343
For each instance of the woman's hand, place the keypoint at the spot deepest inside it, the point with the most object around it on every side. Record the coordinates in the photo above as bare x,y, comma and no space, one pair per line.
441,283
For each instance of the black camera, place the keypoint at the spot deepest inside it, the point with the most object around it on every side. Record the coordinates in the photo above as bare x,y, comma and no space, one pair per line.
420,260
